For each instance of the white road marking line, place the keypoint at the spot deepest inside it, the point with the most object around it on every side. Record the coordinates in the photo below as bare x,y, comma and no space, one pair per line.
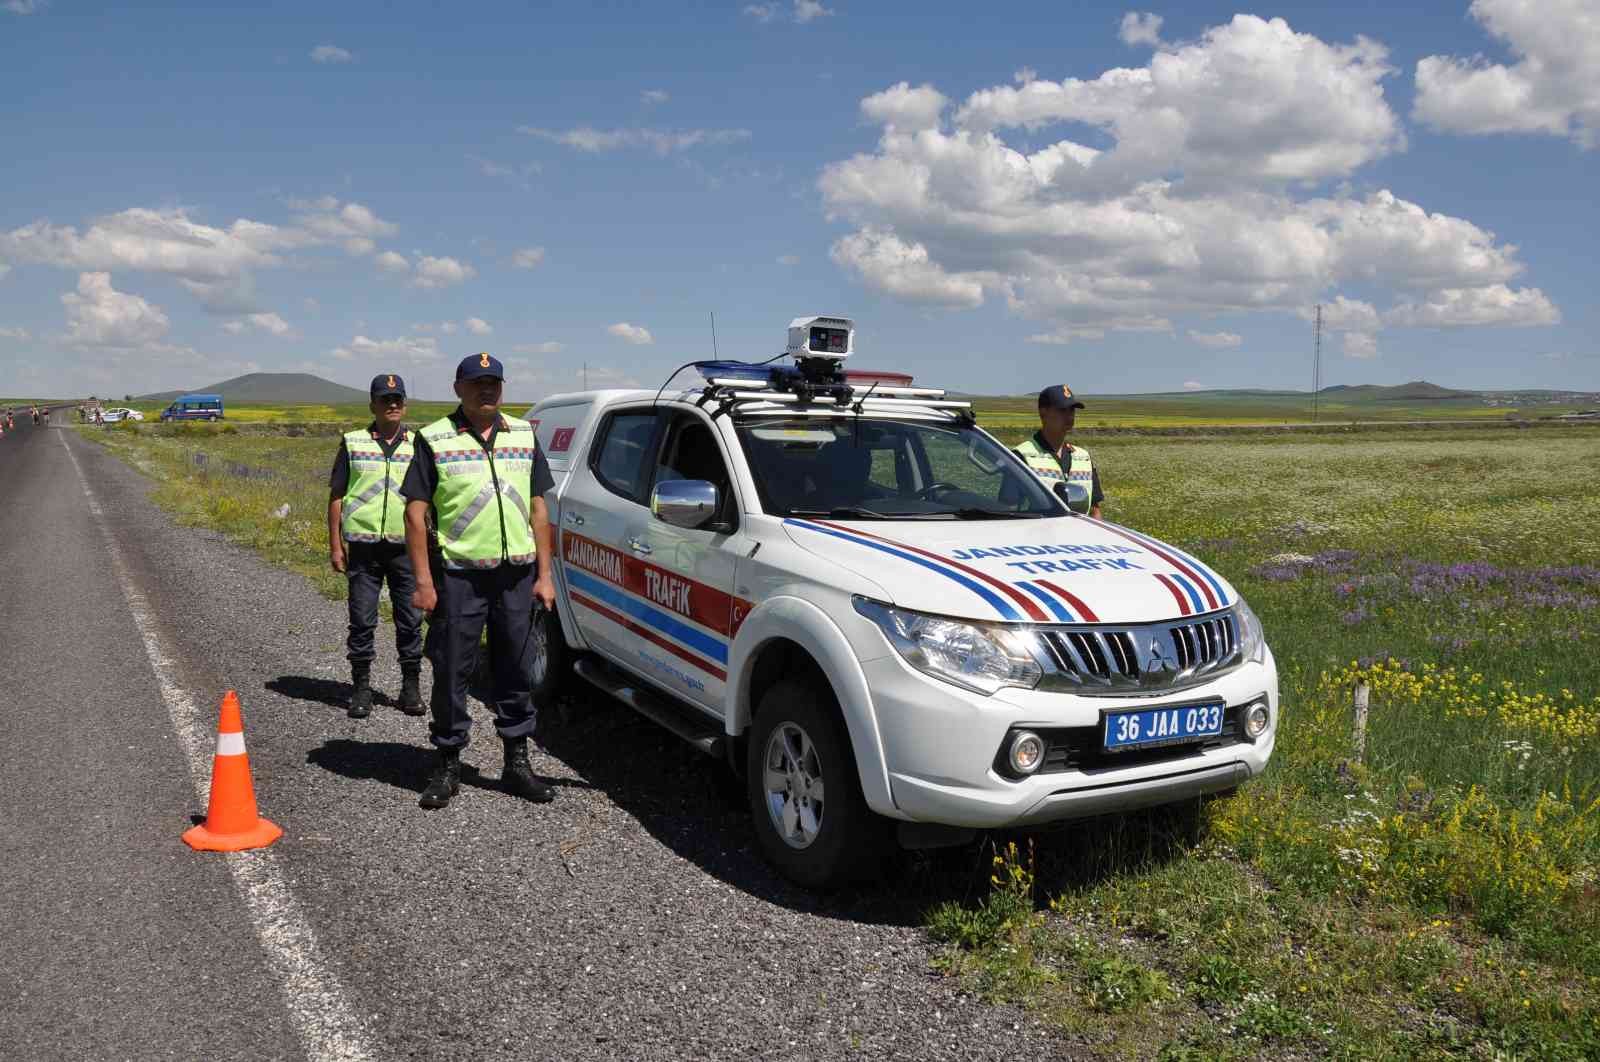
328,1028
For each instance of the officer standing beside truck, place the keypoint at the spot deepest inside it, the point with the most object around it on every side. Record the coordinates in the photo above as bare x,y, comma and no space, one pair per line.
482,477
1048,453
367,542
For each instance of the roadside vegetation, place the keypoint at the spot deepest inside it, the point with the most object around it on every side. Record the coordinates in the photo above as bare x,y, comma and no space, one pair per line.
1436,898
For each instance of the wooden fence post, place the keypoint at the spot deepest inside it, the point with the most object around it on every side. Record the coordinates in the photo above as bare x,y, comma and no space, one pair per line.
1363,694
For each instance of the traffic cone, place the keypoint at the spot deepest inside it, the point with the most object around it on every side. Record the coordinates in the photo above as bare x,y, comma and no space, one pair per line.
232,823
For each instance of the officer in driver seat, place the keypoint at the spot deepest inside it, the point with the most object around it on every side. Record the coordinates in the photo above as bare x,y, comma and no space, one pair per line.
1051,457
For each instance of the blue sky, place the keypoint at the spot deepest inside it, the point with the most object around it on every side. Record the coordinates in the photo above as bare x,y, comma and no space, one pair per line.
1003,196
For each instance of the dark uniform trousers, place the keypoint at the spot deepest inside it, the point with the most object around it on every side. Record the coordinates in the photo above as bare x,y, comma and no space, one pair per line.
367,565
503,597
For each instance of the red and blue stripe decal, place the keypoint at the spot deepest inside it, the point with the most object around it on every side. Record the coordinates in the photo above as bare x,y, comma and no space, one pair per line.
1194,578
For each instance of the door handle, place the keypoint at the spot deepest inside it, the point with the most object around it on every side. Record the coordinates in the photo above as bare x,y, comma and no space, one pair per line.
639,547
575,519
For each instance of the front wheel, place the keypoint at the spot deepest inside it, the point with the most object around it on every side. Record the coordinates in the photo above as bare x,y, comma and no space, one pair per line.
552,656
805,798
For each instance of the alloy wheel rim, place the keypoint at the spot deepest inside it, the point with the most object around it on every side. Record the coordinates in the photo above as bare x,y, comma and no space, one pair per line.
792,778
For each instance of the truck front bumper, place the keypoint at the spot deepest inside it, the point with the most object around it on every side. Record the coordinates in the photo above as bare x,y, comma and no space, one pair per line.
941,744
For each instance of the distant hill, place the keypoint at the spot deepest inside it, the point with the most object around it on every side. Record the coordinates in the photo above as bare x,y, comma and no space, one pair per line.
277,388
1415,391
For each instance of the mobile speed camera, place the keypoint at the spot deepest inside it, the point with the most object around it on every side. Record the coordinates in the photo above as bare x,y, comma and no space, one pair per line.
821,337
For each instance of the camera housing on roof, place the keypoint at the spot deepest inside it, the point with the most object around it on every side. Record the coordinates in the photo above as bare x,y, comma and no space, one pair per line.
821,337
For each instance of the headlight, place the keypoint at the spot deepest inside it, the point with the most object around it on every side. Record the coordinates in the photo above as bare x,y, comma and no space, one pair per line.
979,658
1252,643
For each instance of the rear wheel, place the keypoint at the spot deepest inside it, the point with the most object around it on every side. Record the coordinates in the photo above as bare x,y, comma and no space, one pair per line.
805,797
552,657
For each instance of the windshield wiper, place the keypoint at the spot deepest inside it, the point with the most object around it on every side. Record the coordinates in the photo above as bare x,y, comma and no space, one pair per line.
845,512
975,513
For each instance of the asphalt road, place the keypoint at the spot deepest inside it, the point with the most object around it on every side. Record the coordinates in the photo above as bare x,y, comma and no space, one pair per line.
631,919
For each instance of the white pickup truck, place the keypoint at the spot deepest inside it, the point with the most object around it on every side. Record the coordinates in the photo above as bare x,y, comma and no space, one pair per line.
879,617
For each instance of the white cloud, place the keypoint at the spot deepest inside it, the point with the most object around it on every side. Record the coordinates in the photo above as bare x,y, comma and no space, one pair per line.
1216,340
1140,28
1343,314
393,262
807,10
548,347
261,322
330,53
661,141
1360,345
1193,385
441,272
25,7
762,12
788,259
477,326
528,258
100,316
651,97
515,174
447,327
409,350
1466,307
352,225
905,108
13,333
630,333
1199,202
1553,88
891,265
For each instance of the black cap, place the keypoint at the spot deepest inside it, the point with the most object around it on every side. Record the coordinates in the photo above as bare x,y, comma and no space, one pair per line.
475,365
387,383
1058,396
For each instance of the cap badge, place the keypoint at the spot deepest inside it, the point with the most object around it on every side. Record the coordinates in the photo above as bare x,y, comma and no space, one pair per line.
483,360
391,381
1066,392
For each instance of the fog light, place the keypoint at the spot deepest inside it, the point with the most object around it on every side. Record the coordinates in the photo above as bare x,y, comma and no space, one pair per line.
1027,752
1255,720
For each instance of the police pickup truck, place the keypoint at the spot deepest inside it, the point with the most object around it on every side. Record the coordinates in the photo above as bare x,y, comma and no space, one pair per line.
878,616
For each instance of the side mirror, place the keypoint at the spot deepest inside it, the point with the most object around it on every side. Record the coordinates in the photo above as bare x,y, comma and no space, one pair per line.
684,502
1076,495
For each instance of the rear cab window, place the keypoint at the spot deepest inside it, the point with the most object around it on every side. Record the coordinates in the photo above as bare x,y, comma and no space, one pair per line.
623,451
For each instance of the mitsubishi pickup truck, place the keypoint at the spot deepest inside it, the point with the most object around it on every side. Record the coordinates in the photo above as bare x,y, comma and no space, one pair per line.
871,609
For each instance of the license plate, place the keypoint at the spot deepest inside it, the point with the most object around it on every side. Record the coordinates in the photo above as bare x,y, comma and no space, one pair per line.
1162,726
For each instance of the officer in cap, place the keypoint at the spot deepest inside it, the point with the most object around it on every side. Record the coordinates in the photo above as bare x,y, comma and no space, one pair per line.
481,476
1048,453
367,542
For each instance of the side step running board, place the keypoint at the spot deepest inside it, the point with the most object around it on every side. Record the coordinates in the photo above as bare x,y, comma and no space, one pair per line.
698,732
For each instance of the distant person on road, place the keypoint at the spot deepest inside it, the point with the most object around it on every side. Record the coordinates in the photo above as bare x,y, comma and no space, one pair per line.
1048,453
482,476
367,542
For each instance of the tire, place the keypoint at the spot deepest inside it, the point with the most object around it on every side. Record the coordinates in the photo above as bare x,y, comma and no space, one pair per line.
552,657
818,843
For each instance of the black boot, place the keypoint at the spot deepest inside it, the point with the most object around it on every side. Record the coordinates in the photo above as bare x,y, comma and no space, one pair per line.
444,781
411,689
361,696
518,777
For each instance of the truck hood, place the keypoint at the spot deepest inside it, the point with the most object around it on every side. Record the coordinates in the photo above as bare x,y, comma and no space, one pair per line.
1066,570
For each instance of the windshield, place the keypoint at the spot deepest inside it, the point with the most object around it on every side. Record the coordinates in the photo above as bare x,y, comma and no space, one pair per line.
884,469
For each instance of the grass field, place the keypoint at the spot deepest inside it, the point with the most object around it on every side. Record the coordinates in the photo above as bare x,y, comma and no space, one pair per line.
1439,899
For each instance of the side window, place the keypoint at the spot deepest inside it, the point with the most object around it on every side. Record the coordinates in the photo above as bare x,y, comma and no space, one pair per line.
691,452
954,460
620,455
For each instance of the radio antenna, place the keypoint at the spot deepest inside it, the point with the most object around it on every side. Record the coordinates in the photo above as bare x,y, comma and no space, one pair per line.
714,353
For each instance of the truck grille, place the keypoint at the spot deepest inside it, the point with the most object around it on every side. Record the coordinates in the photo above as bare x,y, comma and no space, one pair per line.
1155,657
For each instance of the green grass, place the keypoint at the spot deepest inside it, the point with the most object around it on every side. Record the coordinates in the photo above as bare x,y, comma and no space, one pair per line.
1184,411
1438,900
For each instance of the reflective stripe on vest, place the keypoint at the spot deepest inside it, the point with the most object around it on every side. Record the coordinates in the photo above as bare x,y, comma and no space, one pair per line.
373,509
1044,464
477,528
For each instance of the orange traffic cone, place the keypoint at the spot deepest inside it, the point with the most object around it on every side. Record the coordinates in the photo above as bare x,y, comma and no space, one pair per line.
232,823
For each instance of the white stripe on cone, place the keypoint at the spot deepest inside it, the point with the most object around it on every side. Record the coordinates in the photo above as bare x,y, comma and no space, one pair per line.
230,744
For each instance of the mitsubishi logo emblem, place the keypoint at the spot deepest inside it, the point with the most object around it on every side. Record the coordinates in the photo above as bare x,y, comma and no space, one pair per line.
1158,659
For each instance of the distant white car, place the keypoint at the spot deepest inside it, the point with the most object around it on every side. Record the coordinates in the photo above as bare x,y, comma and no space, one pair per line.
110,416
